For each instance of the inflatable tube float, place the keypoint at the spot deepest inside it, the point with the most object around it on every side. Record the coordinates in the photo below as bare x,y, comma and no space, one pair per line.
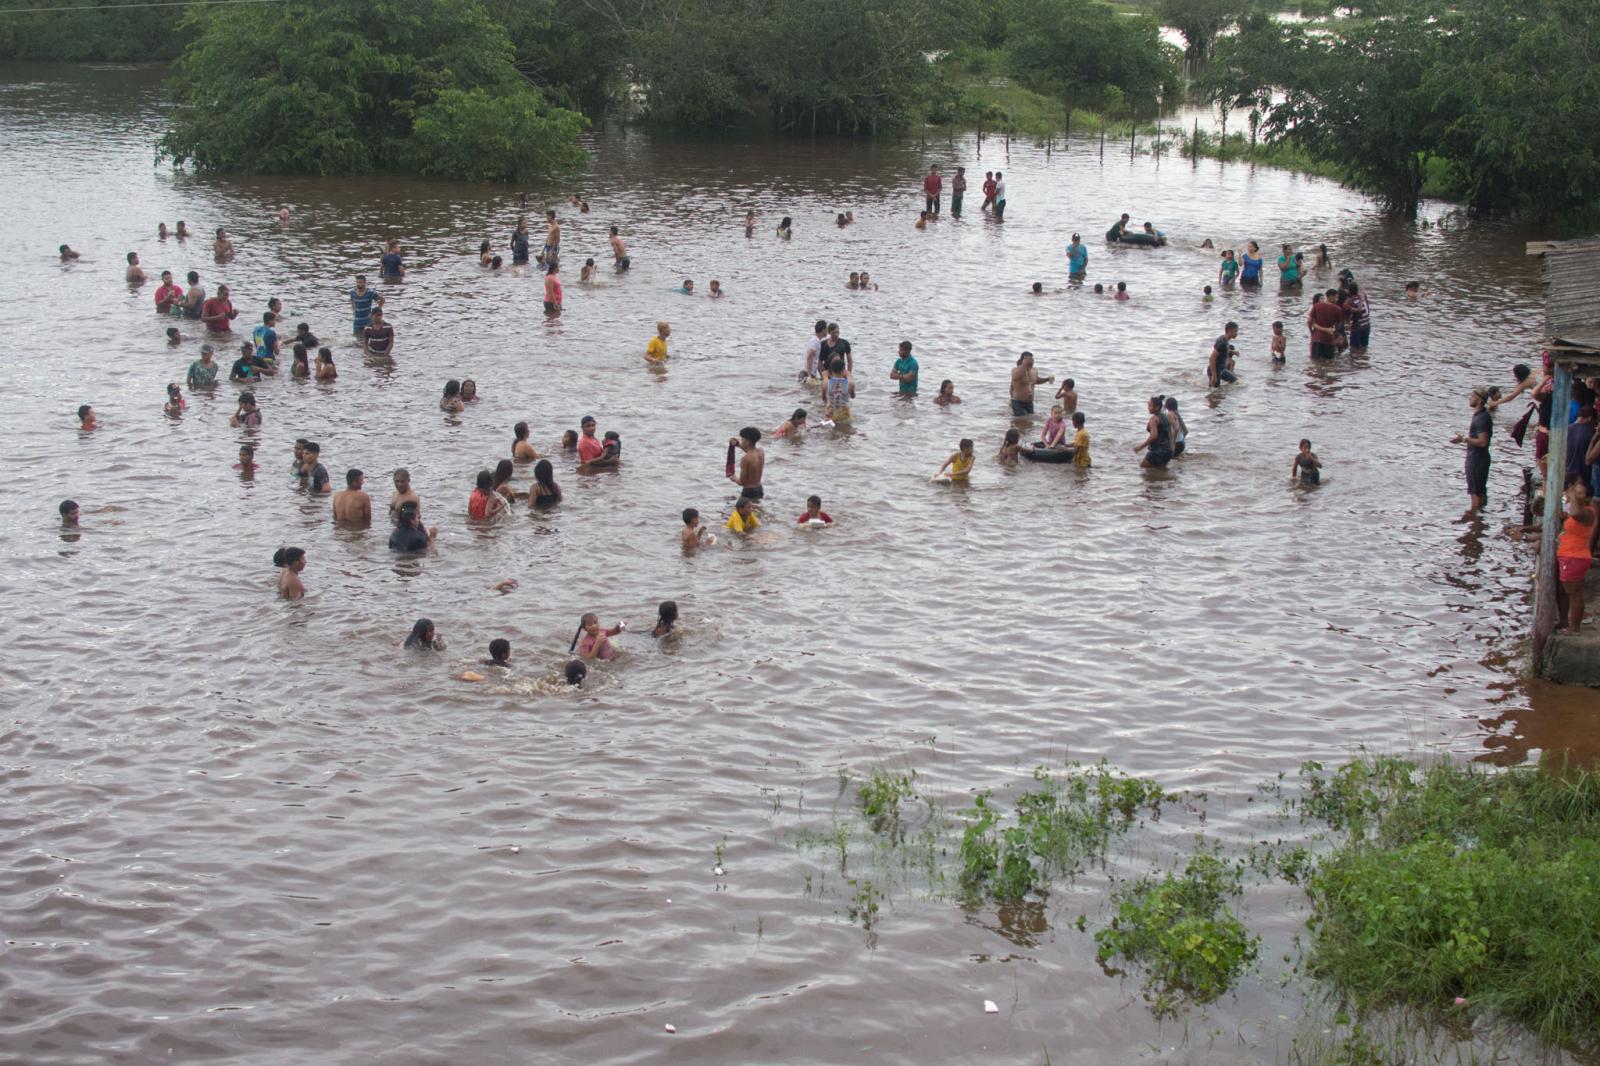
1144,240
1040,454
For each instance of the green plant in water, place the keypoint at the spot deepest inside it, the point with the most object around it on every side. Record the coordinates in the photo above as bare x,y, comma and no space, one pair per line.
864,903
1181,931
880,797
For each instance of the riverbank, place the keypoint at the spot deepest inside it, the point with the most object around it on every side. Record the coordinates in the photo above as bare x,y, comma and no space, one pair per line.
1237,148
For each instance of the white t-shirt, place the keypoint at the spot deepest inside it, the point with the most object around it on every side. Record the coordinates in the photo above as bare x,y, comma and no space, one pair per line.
1000,190
813,353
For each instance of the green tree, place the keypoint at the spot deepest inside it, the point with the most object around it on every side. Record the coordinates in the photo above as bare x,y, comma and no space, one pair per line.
343,86
1200,22
1080,48
92,29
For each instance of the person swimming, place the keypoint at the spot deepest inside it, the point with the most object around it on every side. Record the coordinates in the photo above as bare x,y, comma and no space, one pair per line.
499,653
423,637
544,492
960,462
575,672
666,618
291,561
1307,467
593,642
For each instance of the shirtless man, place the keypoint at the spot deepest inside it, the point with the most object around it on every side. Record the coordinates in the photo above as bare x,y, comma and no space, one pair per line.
352,506
552,237
619,252
747,474
222,247
1023,378
403,494
135,273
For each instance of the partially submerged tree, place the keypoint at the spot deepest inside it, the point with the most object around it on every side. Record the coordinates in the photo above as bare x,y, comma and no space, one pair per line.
349,86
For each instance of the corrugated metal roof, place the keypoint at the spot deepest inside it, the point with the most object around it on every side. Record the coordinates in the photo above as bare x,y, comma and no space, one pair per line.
1572,293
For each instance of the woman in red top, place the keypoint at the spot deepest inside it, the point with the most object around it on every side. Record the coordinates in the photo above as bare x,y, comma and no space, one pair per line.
485,502
552,291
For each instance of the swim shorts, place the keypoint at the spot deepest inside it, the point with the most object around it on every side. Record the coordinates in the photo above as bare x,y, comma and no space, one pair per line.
551,309
1572,567
624,263
1021,407
1321,351
1478,473
1159,457
1359,337
752,492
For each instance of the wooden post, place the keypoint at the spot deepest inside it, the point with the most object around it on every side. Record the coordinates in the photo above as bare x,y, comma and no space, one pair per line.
1102,142
1131,135
1194,143
1555,477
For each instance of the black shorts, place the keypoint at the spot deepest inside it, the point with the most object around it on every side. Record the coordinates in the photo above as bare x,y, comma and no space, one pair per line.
1478,473
623,264
752,492
551,309
1159,455
1322,351
1021,407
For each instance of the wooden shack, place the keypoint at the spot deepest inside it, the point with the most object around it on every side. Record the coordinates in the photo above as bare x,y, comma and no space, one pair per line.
1571,272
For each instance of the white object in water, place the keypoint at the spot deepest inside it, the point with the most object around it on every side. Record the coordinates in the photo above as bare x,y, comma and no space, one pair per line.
671,1028
989,1007
719,871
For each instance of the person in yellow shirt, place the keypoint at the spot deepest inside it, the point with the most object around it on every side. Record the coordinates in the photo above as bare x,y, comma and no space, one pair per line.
656,350
1080,441
743,519
960,462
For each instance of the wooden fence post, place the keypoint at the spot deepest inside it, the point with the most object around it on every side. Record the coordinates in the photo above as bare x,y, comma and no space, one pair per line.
1555,477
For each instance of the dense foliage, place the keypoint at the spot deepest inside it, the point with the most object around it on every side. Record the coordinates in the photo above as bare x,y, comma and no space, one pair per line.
1506,94
358,85
94,29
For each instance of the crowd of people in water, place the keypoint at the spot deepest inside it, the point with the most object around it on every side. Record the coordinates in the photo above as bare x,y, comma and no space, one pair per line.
1338,319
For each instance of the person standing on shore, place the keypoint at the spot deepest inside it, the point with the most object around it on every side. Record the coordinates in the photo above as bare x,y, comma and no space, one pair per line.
958,189
932,185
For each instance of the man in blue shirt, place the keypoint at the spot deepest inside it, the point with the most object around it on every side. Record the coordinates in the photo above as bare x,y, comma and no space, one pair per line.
266,340
1077,259
905,370
362,300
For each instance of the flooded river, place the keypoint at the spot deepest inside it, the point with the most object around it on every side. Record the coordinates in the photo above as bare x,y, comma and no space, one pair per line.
248,831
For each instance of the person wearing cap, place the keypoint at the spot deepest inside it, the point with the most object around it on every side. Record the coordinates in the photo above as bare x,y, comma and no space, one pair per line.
1077,259
378,336
244,368
247,415
589,446
351,505
203,371
1476,438
218,312
362,300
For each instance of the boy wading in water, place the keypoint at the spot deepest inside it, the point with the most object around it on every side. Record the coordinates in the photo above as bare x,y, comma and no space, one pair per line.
746,472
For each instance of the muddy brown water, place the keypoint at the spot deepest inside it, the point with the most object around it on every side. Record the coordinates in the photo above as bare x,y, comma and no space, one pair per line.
241,830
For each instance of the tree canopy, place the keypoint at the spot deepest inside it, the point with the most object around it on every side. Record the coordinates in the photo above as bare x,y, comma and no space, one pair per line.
349,86
1505,95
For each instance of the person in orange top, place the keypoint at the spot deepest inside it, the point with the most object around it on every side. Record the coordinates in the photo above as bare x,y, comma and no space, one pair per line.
1572,553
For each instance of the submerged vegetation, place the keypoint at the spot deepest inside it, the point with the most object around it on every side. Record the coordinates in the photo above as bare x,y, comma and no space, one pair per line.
1434,890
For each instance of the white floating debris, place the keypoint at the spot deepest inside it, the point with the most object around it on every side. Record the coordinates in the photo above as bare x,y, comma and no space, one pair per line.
989,1007
515,850
671,1028
719,871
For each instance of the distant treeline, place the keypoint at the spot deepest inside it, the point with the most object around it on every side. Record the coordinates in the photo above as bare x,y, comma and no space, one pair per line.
1503,96
108,30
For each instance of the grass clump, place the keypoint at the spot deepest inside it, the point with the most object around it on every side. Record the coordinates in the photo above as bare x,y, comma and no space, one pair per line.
880,796
1182,932
1454,883
1055,828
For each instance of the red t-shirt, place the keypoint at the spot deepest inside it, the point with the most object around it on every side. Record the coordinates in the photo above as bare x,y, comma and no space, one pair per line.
822,516
478,506
589,449
552,289
166,296
932,184
220,308
1328,315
